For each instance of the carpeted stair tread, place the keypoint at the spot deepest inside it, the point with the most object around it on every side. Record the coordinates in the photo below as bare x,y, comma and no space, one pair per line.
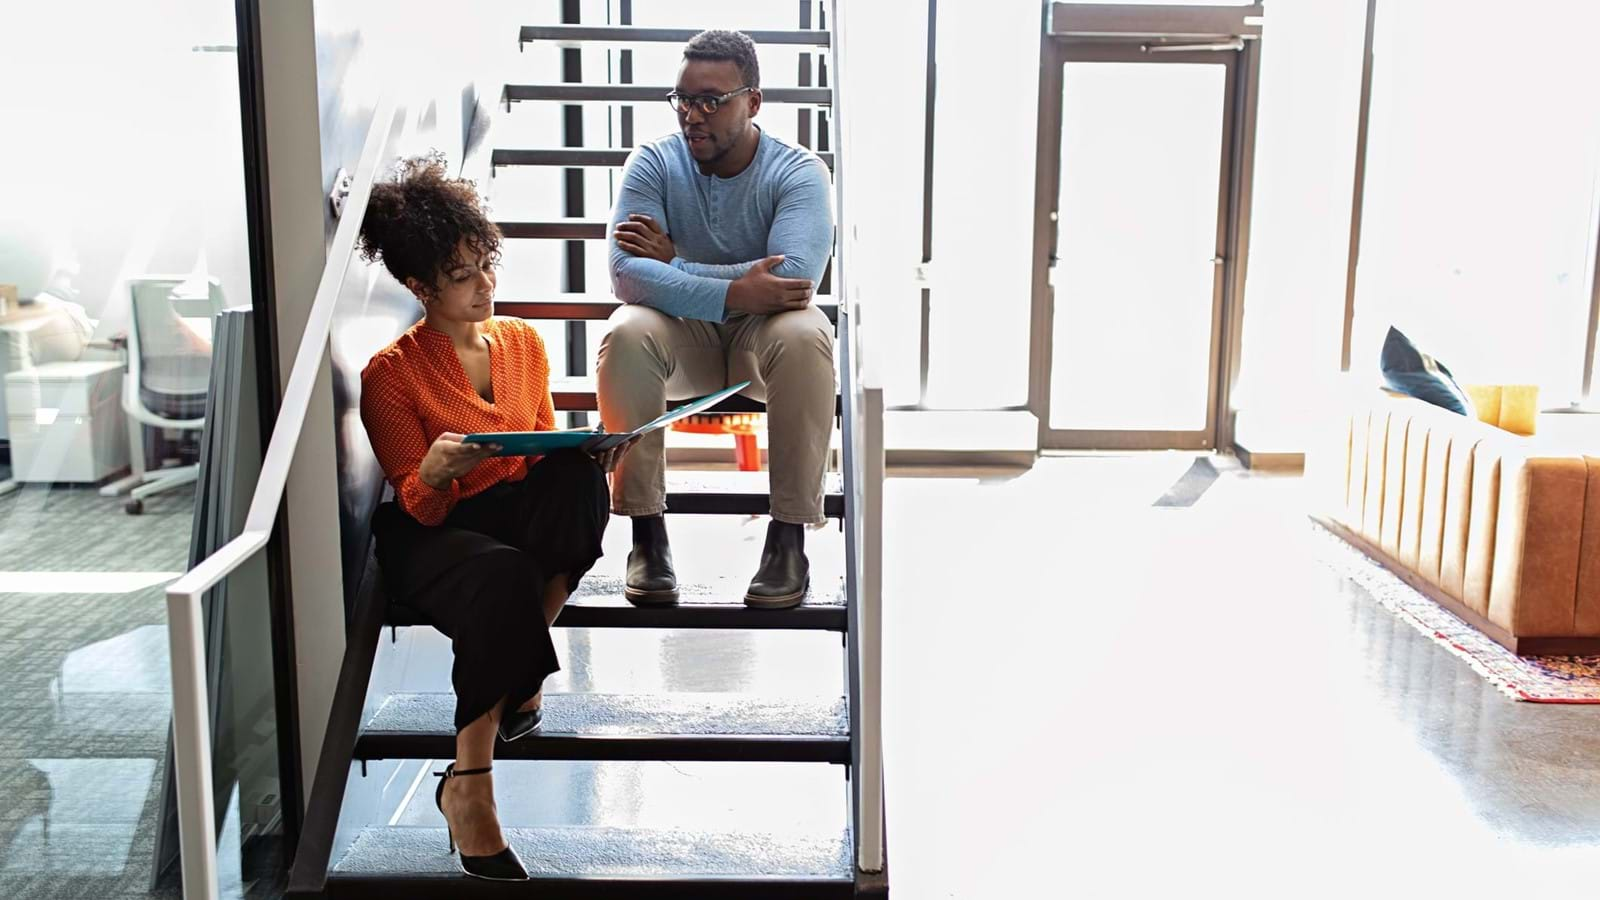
397,855
679,726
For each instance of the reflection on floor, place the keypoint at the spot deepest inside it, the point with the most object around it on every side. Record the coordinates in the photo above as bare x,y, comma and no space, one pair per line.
85,712
87,811
1087,694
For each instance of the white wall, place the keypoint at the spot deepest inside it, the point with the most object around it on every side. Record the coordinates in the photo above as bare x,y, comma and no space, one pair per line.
1300,229
883,85
120,146
985,132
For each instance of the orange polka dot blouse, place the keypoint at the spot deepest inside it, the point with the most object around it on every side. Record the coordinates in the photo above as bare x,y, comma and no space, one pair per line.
415,389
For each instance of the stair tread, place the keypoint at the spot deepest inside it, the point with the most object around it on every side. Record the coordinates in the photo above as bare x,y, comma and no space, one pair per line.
740,503
597,306
578,392
821,610
586,383
638,34
555,229
719,603
723,591
738,493
732,481
608,852
504,154
704,600
644,93
687,713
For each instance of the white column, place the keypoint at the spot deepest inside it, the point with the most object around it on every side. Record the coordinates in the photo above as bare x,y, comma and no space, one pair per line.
296,199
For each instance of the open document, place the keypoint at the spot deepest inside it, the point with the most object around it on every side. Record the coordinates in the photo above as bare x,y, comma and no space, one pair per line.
538,443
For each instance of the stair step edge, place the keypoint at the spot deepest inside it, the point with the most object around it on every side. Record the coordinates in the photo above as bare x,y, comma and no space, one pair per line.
643,35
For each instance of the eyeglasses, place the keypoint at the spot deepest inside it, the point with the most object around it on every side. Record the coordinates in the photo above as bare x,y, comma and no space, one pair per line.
707,104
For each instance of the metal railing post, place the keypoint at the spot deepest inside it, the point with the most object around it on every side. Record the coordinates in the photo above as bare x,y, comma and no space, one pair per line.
191,742
869,766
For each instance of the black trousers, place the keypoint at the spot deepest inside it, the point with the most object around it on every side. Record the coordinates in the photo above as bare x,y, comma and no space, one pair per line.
480,576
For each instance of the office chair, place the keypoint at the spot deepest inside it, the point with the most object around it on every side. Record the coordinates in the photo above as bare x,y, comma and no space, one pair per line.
169,371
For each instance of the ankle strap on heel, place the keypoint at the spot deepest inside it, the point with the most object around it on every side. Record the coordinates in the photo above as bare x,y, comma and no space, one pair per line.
451,771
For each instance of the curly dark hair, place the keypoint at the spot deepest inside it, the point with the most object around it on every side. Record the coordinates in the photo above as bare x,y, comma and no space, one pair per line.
732,46
416,222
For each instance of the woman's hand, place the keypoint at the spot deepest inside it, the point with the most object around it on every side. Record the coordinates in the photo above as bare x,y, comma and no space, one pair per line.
607,459
642,237
449,458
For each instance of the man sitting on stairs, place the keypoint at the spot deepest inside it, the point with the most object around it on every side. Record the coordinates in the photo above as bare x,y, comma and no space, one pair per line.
719,235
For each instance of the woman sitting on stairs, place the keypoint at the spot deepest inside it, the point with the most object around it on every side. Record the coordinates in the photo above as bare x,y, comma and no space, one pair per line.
487,548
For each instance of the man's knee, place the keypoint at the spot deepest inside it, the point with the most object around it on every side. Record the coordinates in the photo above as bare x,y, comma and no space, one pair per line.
633,329
802,329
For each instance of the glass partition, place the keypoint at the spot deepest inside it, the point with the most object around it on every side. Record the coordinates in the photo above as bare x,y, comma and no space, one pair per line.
122,233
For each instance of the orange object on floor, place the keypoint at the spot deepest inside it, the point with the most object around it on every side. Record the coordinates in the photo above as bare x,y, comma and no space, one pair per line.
741,425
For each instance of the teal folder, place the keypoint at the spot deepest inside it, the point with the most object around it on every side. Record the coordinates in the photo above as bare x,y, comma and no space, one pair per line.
538,443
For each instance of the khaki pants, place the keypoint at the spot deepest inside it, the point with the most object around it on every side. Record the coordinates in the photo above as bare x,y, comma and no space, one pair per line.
788,358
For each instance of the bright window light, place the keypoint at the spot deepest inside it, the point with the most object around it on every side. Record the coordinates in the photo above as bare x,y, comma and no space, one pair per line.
1476,235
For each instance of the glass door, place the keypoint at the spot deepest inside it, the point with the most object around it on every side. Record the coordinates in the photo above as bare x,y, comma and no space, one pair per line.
1136,155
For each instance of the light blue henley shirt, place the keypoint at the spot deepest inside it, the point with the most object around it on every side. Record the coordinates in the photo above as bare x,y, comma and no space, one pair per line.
782,203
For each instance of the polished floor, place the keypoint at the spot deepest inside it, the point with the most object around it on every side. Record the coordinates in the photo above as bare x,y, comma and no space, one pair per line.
1106,677
1092,696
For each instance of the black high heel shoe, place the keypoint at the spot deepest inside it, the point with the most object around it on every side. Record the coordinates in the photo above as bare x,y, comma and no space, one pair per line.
515,725
502,866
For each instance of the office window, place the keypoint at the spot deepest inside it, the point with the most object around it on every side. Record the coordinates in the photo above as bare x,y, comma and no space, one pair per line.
1481,167
122,233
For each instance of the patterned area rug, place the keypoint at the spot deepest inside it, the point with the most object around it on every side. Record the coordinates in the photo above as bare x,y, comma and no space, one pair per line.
1536,679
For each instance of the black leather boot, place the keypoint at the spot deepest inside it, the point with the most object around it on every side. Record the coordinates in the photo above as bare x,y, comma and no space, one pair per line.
651,581
784,575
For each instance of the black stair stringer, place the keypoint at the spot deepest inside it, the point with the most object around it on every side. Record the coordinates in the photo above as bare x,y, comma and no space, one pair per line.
308,877
460,887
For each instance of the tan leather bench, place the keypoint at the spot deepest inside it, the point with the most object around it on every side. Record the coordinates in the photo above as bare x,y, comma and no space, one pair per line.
1502,530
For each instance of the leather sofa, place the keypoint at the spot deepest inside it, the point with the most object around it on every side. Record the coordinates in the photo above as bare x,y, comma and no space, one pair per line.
1501,529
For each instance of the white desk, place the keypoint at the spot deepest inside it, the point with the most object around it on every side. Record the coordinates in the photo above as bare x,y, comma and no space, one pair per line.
45,331
65,422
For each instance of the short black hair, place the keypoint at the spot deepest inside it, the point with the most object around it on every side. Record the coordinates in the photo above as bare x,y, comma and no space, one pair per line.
732,46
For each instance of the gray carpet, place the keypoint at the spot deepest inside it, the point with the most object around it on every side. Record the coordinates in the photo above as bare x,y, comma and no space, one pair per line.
83,723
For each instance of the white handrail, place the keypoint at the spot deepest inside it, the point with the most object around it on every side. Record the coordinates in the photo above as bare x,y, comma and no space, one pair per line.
190,707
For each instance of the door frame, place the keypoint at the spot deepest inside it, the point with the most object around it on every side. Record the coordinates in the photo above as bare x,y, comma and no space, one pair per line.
1093,33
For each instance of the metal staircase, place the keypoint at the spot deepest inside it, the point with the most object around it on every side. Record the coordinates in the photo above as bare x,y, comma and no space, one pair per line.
344,852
